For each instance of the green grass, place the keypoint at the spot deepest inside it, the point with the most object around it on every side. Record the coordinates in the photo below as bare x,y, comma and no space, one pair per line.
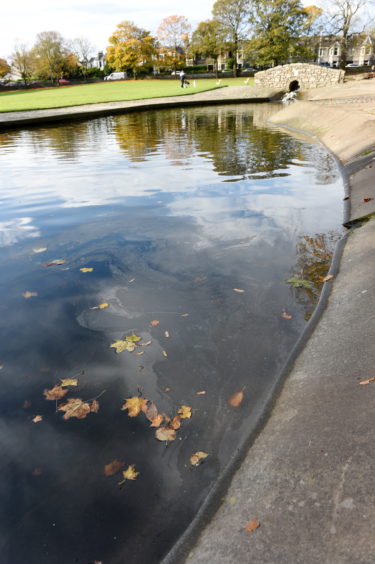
64,96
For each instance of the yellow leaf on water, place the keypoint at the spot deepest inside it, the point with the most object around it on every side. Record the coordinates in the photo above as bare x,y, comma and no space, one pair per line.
165,434
184,412
86,269
28,294
198,457
103,305
165,353
123,345
75,407
135,405
69,382
129,474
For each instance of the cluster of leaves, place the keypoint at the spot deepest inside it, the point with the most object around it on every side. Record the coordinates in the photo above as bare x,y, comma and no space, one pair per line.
74,407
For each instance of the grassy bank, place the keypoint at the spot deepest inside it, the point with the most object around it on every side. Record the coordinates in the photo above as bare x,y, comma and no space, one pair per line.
65,96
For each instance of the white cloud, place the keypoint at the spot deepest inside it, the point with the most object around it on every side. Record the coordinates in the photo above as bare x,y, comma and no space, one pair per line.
97,20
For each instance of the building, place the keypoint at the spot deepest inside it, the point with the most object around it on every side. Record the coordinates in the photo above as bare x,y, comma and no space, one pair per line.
360,50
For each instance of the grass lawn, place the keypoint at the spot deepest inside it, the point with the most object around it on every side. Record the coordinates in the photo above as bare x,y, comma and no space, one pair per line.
64,96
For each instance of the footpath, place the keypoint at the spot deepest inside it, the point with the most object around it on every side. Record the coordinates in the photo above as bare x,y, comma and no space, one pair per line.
306,483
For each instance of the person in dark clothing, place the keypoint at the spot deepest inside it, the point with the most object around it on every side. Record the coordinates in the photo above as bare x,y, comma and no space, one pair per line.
182,78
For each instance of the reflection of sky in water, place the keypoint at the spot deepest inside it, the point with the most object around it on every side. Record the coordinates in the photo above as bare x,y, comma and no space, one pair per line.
173,210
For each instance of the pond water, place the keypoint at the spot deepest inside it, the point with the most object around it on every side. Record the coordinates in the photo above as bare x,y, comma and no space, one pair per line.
192,221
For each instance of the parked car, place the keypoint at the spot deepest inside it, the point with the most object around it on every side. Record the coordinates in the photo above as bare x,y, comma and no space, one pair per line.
352,65
116,76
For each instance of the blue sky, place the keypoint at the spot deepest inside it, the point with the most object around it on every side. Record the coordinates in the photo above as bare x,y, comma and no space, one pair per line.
94,19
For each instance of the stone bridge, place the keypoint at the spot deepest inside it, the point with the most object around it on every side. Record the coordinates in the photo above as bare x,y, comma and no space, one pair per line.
298,76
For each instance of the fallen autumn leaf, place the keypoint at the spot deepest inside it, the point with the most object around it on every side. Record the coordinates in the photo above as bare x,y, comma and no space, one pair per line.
165,434
135,405
28,294
113,467
236,399
55,393
252,525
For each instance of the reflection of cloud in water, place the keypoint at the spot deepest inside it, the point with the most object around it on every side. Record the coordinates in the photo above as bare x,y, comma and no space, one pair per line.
16,230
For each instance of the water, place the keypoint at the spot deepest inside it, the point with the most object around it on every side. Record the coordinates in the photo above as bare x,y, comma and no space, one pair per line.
192,218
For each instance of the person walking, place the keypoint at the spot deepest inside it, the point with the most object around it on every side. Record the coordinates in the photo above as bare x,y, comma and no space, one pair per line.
182,77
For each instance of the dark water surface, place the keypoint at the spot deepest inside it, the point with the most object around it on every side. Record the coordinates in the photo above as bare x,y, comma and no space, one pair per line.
174,210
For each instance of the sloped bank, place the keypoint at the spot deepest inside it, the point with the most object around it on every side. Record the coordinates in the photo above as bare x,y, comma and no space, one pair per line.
307,478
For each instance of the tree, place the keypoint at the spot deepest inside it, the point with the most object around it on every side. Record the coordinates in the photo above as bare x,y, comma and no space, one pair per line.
207,40
173,33
52,56
344,15
278,26
23,61
83,49
4,67
232,17
131,48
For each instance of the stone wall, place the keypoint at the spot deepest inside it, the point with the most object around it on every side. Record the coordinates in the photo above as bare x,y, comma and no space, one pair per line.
285,77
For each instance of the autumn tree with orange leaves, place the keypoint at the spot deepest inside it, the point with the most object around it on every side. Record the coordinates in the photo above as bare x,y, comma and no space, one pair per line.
173,34
131,48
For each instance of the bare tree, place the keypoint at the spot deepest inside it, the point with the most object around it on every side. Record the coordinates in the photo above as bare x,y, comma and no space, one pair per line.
344,18
23,61
83,49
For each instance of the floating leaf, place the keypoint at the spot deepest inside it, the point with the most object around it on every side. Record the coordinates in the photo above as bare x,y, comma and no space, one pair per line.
55,393
146,344
40,250
75,407
154,322
184,314
167,389
164,353
239,290
26,404
150,411
127,344
133,338
201,393
131,280
198,457
68,382
236,399
28,294
140,353
252,525
175,422
94,406
184,412
113,467
37,418
100,306
165,434
166,334
365,382
129,474
135,406
286,315
157,421
86,269
55,262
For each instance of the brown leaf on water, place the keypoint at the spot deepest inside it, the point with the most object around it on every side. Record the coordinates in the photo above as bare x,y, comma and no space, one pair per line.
165,434
157,421
198,457
26,404
37,418
167,389
154,322
86,269
252,525
286,315
238,290
150,410
366,382
28,294
55,393
367,200
140,353
68,382
55,262
184,412
175,422
236,399
166,334
134,406
75,407
94,406
37,471
201,393
113,467
327,278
